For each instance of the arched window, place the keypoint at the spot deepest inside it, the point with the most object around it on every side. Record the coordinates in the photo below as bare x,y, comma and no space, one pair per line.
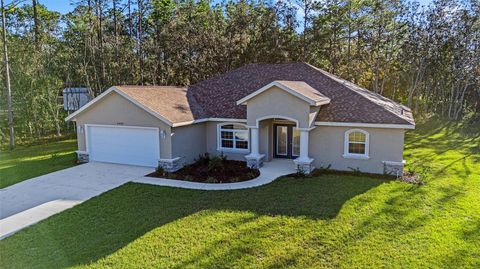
232,137
356,144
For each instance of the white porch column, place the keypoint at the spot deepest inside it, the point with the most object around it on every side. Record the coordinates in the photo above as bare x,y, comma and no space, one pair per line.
304,162
254,159
304,145
255,138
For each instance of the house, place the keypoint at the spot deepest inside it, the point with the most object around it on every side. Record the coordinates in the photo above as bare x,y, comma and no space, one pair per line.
255,113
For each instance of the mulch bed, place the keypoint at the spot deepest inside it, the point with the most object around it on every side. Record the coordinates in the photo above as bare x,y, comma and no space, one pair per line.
232,171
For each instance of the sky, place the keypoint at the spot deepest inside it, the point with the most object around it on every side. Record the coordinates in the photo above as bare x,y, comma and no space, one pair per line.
63,6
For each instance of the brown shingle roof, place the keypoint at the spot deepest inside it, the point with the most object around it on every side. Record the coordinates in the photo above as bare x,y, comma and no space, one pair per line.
349,103
170,102
306,90
216,97
299,89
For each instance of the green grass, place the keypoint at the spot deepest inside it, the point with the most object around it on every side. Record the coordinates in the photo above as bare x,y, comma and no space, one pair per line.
26,162
332,221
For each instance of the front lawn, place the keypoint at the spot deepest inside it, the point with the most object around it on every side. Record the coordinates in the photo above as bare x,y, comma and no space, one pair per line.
331,221
26,162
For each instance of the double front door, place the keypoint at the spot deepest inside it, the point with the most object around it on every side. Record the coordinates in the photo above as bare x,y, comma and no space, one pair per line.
286,141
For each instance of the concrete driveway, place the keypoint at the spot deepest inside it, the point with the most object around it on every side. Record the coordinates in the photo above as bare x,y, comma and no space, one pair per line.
33,200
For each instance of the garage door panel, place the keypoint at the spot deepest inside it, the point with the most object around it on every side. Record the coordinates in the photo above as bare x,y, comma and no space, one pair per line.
126,145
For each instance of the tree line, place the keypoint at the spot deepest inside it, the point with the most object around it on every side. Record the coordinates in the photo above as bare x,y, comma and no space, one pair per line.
426,57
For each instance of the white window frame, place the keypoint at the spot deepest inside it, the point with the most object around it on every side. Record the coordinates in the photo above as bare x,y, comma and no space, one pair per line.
293,136
346,154
276,144
234,149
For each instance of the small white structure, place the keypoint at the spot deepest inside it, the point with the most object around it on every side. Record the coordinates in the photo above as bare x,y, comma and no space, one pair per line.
75,98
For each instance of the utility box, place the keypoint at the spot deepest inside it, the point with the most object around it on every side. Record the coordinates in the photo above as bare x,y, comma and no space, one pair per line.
75,98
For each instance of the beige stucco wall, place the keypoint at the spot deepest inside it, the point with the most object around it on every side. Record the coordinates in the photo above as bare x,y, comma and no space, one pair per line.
114,109
275,101
326,146
193,140
313,115
189,141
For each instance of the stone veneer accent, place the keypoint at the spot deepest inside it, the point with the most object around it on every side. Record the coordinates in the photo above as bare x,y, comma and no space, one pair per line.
82,157
306,166
171,165
393,168
255,162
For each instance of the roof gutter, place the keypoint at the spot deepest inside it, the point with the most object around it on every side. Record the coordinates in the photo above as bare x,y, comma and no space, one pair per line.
365,125
185,123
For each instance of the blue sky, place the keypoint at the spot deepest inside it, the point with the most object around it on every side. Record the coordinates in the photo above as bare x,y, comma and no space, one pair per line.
64,6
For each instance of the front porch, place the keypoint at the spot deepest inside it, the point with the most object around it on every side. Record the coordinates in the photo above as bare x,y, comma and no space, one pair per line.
280,138
280,116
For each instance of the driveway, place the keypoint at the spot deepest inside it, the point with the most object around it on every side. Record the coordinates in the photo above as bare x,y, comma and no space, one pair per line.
33,200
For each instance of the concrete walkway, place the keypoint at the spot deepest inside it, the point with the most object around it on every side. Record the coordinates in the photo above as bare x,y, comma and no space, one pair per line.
268,173
33,200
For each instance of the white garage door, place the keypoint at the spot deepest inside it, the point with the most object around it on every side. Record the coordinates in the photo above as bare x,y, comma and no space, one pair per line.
123,144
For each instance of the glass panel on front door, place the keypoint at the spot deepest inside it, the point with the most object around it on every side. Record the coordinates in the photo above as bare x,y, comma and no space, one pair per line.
296,142
282,133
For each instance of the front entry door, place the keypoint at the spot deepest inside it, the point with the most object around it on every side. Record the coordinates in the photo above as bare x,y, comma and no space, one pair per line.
286,141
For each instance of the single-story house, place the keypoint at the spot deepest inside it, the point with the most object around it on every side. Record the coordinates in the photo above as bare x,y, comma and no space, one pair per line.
255,113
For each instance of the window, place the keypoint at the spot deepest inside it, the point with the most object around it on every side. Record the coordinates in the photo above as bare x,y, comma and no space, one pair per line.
356,144
296,142
232,137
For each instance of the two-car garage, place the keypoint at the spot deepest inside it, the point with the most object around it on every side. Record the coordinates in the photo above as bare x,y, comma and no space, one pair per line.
123,144
130,125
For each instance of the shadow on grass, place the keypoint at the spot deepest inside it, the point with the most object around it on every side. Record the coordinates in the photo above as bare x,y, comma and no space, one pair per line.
441,145
108,223
25,162
26,169
105,224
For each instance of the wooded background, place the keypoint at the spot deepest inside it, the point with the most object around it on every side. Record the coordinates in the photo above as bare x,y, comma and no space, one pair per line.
427,58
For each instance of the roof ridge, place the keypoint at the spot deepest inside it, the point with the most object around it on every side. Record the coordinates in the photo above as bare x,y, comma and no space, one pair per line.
351,86
196,104
151,86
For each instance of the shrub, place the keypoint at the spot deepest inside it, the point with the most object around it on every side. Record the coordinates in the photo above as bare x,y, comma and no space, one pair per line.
223,156
216,164
411,178
203,159
416,173
160,170
211,180
300,173
189,178
253,173
321,170
419,169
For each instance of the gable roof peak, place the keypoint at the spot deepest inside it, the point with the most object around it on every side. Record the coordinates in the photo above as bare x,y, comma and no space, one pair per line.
299,89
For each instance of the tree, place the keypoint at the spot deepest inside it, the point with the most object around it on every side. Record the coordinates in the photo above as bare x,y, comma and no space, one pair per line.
427,58
7,79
